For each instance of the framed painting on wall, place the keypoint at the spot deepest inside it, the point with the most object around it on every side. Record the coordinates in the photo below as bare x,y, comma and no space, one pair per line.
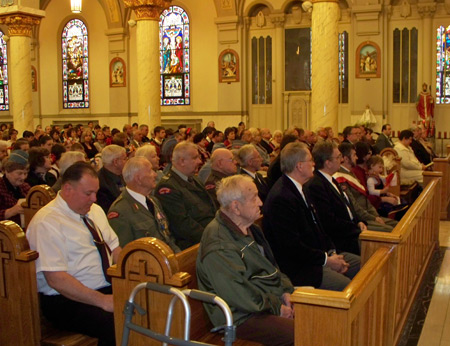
228,66
368,60
117,73
33,79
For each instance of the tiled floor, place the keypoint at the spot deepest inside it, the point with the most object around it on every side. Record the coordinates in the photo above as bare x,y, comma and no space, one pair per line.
436,330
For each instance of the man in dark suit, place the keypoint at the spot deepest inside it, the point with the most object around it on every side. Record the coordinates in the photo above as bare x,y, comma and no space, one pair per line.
335,210
250,163
185,200
419,150
110,175
265,140
292,226
136,214
384,139
352,134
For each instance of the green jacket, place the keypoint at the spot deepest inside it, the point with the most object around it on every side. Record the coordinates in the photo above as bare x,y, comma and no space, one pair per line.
188,207
131,220
231,265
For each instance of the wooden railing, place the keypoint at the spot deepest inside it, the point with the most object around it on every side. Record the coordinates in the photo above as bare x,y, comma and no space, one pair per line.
441,165
356,316
373,308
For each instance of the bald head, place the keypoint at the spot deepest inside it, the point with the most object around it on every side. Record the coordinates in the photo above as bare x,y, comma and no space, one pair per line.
222,161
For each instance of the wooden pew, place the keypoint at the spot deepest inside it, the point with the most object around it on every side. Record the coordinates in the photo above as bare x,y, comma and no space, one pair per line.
20,321
149,259
37,197
441,164
373,308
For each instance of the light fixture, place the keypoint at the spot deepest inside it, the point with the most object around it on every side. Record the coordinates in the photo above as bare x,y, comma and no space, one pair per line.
75,6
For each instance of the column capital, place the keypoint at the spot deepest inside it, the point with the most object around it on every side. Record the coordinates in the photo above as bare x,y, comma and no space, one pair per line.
278,19
426,9
147,9
20,24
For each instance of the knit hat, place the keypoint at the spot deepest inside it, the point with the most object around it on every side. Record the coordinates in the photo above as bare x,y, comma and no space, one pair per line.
19,156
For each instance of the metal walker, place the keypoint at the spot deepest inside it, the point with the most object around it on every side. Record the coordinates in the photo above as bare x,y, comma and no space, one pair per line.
130,306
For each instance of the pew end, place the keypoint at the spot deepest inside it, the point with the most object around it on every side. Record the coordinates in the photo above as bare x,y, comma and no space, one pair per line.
20,320
37,197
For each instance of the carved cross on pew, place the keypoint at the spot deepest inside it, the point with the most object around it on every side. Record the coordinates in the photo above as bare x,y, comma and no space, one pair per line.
143,275
3,256
37,202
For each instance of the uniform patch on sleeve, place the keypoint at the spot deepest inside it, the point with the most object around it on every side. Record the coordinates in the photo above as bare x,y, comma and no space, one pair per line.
343,187
113,215
210,186
164,191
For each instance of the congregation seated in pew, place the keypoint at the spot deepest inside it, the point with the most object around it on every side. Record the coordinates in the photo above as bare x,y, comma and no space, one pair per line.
186,203
76,245
135,213
294,229
236,263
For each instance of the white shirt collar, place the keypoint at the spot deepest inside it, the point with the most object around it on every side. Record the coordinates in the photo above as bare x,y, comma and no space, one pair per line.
297,185
181,175
138,197
253,175
62,205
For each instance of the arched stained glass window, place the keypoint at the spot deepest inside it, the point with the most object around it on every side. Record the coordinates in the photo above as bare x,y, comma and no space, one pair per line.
75,65
174,57
4,90
443,65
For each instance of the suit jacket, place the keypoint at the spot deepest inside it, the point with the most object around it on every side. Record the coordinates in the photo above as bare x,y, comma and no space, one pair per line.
260,182
267,146
382,142
333,213
110,188
421,153
131,220
298,241
188,207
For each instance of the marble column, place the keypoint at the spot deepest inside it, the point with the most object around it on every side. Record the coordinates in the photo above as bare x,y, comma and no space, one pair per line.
426,11
147,42
20,27
325,83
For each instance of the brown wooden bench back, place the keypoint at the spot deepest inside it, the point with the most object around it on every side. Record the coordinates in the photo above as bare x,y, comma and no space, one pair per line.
20,322
37,197
151,260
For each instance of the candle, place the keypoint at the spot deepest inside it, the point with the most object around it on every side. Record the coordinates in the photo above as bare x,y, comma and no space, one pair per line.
439,134
445,134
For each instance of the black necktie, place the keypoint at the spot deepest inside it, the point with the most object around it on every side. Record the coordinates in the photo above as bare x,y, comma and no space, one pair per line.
150,206
102,247
345,200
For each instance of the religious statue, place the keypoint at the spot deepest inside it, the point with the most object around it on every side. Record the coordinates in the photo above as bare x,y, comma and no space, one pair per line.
425,109
367,119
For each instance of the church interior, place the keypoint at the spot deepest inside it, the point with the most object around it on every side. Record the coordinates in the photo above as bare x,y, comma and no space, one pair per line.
274,64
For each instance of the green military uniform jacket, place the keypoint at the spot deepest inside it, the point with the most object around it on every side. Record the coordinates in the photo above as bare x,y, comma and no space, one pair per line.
232,266
188,207
211,183
131,220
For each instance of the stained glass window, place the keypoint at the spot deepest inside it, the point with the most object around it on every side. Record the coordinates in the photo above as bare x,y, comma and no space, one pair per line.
174,56
4,97
75,65
443,65
343,67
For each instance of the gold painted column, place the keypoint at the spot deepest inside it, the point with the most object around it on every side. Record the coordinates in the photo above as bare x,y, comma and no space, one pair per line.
325,83
426,11
147,41
20,28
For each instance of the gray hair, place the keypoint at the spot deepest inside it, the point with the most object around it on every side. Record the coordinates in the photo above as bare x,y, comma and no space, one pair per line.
230,189
111,152
181,149
133,166
245,154
291,154
68,159
145,151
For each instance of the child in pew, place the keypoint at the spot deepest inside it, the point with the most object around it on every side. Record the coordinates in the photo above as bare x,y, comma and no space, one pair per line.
378,185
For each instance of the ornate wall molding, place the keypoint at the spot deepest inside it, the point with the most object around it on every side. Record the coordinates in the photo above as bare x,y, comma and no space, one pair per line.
147,9
20,24
426,10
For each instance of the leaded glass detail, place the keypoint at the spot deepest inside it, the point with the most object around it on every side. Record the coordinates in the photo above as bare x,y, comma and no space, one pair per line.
4,90
343,67
443,65
174,57
75,65
262,70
